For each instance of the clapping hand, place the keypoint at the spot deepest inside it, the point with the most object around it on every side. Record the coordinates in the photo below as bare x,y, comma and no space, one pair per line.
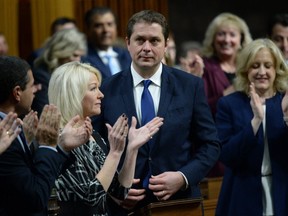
117,134
73,135
48,127
30,124
285,104
140,136
9,130
256,103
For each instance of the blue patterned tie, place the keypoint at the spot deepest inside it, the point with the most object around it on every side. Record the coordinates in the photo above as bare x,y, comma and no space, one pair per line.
148,113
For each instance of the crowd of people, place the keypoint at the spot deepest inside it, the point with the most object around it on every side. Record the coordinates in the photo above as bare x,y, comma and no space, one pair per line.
113,128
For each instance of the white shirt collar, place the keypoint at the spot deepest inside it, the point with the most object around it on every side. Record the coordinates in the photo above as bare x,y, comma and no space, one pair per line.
109,52
156,78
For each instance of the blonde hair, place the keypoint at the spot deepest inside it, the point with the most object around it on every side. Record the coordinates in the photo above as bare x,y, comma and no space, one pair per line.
246,58
61,45
67,88
220,20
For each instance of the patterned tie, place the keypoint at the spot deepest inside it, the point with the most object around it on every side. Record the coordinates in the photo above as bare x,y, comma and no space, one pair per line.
148,113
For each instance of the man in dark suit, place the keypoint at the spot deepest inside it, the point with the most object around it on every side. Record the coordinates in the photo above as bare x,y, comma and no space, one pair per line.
180,155
102,35
26,180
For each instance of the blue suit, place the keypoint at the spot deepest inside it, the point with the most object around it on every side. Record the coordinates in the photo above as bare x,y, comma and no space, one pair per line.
187,141
94,59
26,182
242,153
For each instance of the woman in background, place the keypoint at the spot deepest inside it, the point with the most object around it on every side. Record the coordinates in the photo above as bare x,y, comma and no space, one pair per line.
64,46
225,36
252,124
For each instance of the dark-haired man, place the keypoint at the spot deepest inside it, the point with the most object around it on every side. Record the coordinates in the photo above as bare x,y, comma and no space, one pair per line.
179,156
102,35
25,179
278,32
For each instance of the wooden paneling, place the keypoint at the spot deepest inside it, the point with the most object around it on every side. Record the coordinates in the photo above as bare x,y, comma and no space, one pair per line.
180,207
122,8
25,36
43,13
210,207
9,24
210,189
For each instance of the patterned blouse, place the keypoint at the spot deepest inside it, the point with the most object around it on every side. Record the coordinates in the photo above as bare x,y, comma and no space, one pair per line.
78,182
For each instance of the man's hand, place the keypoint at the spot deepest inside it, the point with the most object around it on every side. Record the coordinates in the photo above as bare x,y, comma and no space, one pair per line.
30,124
166,184
48,127
73,135
9,130
134,196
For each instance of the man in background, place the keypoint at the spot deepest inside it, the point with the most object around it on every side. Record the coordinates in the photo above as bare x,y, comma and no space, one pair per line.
3,45
26,177
102,36
278,32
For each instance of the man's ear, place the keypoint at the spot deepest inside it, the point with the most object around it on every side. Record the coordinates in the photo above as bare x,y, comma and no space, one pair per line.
17,93
166,45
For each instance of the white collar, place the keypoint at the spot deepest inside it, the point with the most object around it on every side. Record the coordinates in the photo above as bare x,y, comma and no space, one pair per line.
108,52
156,78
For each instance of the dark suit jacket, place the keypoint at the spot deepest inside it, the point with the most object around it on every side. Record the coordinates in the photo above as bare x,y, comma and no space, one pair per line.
242,153
42,76
187,141
26,182
94,59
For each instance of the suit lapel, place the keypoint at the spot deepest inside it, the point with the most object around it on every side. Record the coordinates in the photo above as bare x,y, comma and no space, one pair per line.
167,88
127,95
166,95
97,61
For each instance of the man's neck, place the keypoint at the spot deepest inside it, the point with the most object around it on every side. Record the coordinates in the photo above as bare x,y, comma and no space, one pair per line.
100,47
6,108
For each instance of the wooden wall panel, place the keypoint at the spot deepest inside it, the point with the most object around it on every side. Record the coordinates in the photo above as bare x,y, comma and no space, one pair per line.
43,13
122,8
36,16
9,24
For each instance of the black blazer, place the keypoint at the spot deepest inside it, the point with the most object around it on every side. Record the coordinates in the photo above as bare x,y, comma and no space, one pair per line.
26,182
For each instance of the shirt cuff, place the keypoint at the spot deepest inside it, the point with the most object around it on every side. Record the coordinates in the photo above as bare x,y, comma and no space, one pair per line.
186,181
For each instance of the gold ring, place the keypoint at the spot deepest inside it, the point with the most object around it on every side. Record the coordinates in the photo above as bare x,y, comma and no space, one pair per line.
9,133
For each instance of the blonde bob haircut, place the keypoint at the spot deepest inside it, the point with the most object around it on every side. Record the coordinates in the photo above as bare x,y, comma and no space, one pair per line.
224,19
246,59
61,45
67,88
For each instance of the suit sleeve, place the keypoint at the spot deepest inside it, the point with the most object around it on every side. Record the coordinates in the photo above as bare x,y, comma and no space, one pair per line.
204,138
236,134
25,183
